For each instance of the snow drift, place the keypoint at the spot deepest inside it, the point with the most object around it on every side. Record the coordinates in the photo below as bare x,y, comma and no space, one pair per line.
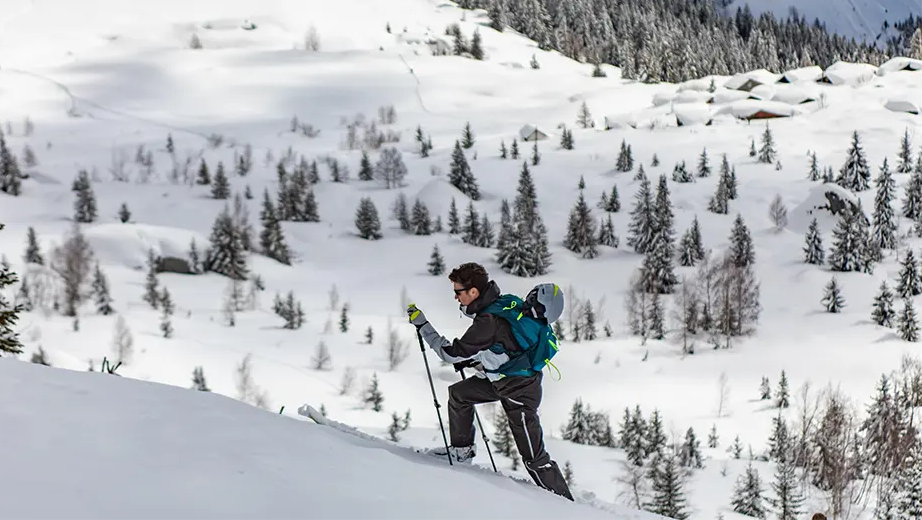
113,447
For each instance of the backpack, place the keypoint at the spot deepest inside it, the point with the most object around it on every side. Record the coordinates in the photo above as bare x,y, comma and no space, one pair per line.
535,336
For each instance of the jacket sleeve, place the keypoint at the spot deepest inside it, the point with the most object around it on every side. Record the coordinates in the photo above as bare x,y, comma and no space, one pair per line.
479,336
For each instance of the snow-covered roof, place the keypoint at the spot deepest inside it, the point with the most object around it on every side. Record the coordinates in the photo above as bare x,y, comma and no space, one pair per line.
698,84
759,75
904,105
663,98
692,96
763,91
793,95
127,245
687,115
845,73
899,63
803,74
723,96
528,130
747,108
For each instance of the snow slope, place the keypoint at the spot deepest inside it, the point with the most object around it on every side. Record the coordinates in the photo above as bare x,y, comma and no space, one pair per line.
111,447
100,82
859,19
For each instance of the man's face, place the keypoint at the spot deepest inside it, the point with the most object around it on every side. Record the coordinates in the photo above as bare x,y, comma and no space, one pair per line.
465,295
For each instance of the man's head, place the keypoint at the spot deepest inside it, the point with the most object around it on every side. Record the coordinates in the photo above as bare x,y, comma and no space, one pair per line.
469,280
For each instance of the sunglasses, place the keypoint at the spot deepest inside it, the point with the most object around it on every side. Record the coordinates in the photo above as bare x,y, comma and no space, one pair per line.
459,291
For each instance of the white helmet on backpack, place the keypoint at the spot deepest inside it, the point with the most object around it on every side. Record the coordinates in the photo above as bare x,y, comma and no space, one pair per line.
545,301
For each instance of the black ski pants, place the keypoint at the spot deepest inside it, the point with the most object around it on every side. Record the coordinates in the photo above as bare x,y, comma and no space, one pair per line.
520,397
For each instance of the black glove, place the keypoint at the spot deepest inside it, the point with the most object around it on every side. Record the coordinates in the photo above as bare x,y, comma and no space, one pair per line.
467,363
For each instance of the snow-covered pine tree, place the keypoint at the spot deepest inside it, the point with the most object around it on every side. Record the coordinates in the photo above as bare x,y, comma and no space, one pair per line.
487,234
477,46
503,440
691,250
9,314
566,139
100,288
535,154
908,327
420,223
884,227
460,175
607,236
526,252
788,499
198,380
344,318
782,395
613,201
467,137
589,329
166,311
752,148
470,229
366,220
720,202
584,117
33,254
124,214
912,197
704,165
732,185
496,12
643,226
681,174
747,494
813,245
581,233
400,212
226,254
855,174
905,164
656,316
850,242
883,313
668,487
454,221
85,200
910,283
624,162
690,452
373,395
505,223
909,485
220,185
833,300
742,250
503,152
654,162
814,174
436,262
151,294
767,153
366,171
578,429
204,176
271,238
514,149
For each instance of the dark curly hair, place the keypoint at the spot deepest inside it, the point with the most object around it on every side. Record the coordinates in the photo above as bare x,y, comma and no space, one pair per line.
470,274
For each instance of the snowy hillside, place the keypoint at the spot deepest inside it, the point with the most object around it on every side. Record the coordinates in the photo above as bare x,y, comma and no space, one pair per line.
862,20
123,93
111,447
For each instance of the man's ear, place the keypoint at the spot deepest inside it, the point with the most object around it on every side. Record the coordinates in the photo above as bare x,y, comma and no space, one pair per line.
475,292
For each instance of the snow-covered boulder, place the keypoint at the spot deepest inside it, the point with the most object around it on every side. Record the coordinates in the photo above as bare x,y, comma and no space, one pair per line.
687,115
898,64
804,74
903,104
127,245
825,202
851,74
663,98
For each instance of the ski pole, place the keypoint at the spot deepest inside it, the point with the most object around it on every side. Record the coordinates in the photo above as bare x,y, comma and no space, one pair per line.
435,399
486,440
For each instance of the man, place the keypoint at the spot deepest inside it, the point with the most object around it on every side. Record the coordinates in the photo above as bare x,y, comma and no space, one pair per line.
520,395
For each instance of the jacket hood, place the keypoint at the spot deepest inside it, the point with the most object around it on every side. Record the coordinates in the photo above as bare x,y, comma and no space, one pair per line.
490,295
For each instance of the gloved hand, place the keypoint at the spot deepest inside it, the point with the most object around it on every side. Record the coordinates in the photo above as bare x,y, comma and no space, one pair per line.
416,316
467,363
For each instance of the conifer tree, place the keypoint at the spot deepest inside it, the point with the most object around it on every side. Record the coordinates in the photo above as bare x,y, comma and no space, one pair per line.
470,229
460,175
612,202
514,150
366,220
272,239
655,161
778,213
477,46
642,226
420,223
788,499
584,117
487,235
497,14
704,166
747,495
767,153
690,453
908,328
33,253
436,262
732,185
884,227
909,485
657,313
226,253
400,212
813,247
625,162
535,154
566,139
373,395
220,186
151,294
742,250
713,439
814,174
912,198
568,473
883,313
344,318
467,137
505,223
526,251
454,221
204,176
681,174
782,396
719,203
166,310
765,391
503,440
198,380
850,248
691,250
9,313
124,215
503,152
581,233
832,296
366,170
905,164
668,488
85,201
100,288
752,148
910,283
607,236
855,174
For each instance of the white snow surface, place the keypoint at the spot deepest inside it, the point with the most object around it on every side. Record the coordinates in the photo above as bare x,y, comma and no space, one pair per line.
100,81
115,447
859,19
